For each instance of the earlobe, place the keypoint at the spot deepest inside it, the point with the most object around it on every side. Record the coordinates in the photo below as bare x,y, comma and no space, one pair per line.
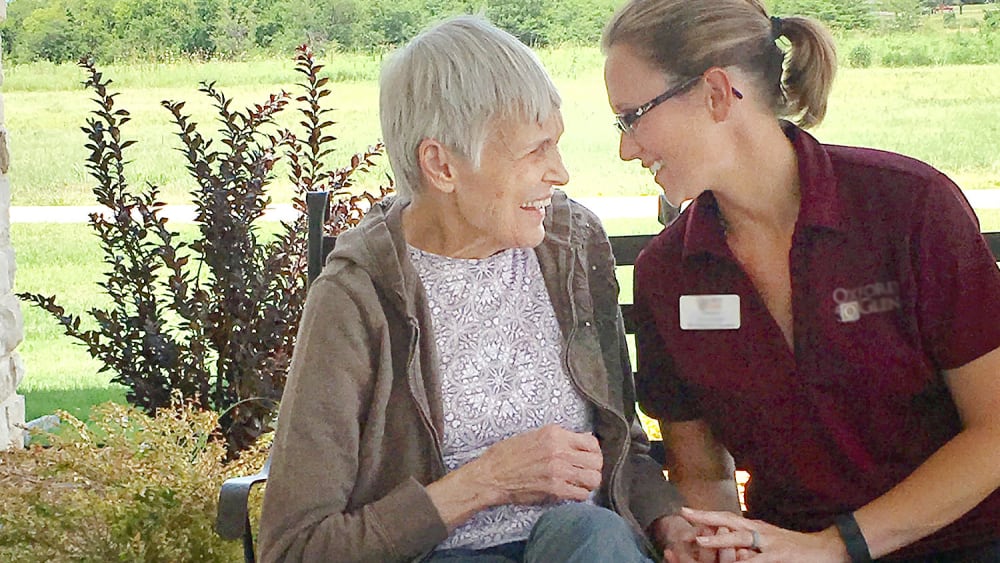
436,165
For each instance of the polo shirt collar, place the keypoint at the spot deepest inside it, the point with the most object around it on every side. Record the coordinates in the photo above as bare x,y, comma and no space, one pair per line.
821,206
703,231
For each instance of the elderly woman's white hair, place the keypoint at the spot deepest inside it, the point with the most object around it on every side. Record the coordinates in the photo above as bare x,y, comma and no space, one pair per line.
452,83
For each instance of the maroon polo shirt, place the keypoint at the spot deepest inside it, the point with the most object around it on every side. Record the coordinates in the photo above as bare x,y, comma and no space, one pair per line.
891,284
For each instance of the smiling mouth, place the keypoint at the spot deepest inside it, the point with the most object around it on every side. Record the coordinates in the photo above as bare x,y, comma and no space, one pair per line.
537,204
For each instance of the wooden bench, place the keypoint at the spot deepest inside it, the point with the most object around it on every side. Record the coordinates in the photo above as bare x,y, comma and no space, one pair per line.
233,519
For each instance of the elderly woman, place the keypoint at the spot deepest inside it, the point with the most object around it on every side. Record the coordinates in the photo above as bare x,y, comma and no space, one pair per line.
825,316
461,389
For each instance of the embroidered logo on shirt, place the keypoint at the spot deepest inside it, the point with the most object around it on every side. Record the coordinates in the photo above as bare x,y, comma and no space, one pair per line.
853,303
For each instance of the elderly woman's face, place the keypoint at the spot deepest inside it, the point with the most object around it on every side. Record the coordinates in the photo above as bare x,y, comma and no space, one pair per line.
502,203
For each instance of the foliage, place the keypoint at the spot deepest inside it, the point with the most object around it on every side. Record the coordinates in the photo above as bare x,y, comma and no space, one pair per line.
112,30
108,30
916,55
860,56
127,488
905,14
213,319
839,14
991,21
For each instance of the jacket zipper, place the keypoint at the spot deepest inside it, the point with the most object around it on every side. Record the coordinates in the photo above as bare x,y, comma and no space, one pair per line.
623,454
424,415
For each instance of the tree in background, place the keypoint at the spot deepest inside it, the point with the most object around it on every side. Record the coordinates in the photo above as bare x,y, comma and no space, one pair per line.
110,30
838,14
905,14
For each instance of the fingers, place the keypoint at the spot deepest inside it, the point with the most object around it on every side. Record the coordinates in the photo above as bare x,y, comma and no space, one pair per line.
720,519
584,441
555,434
545,465
704,553
728,554
580,450
729,540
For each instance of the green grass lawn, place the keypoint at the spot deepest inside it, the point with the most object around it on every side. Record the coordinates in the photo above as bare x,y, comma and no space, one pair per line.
945,115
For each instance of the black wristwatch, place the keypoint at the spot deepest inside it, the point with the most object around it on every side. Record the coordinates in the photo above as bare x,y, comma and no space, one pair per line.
857,547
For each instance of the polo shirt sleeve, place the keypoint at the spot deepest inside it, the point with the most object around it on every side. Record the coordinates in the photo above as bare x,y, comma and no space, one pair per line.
958,280
660,391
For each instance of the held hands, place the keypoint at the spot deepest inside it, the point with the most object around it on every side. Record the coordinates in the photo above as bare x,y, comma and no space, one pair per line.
758,541
678,539
545,465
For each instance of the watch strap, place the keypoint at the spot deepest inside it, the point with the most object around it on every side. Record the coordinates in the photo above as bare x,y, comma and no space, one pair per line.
857,547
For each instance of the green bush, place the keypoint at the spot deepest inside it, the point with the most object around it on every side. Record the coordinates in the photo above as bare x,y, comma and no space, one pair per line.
973,49
129,487
860,56
991,21
915,55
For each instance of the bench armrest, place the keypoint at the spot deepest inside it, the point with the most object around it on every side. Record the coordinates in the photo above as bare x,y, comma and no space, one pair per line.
233,516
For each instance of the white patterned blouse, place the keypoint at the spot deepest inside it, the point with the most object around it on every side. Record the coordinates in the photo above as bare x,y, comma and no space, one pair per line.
501,370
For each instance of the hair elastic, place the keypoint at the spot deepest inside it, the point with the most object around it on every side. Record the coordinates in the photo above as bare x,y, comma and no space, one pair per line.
776,27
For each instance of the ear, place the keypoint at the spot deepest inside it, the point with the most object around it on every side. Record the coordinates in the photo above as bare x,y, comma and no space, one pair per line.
721,95
437,165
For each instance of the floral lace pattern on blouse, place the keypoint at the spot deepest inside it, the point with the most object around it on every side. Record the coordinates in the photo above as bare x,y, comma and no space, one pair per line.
501,370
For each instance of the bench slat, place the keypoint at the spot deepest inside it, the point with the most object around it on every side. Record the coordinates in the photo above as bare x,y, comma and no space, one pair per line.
993,240
626,247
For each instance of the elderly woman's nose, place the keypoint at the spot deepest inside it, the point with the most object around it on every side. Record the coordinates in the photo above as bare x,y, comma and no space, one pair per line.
559,175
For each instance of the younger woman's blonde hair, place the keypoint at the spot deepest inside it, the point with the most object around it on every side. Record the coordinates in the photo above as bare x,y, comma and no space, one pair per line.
684,38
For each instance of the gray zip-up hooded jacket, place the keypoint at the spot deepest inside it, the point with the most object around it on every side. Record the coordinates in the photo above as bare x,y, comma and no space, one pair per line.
359,428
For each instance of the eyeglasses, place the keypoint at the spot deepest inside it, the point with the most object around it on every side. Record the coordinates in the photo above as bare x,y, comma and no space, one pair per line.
625,121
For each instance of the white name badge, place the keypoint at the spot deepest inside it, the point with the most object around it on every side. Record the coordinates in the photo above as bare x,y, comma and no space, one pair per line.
710,312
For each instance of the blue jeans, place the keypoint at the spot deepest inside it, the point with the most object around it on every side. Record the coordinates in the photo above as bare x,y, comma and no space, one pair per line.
569,533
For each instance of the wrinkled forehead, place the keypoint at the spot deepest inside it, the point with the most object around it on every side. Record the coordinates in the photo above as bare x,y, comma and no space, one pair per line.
521,128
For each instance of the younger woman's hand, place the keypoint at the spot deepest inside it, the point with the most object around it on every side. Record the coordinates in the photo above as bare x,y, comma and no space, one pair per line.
758,541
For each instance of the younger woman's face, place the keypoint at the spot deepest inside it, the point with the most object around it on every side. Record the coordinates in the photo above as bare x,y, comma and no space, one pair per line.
668,138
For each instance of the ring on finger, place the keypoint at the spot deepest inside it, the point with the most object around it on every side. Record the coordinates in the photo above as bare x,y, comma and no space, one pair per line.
755,543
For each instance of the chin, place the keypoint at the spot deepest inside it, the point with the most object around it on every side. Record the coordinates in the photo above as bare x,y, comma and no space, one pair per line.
531,240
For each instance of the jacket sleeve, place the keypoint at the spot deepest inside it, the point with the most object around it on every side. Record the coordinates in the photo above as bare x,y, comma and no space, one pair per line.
315,456
650,495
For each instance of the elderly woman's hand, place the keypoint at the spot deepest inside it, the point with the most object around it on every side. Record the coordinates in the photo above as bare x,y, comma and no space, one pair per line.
549,464
678,539
761,542
545,465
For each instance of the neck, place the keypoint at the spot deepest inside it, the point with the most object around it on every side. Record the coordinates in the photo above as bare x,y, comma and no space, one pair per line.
762,194
430,224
